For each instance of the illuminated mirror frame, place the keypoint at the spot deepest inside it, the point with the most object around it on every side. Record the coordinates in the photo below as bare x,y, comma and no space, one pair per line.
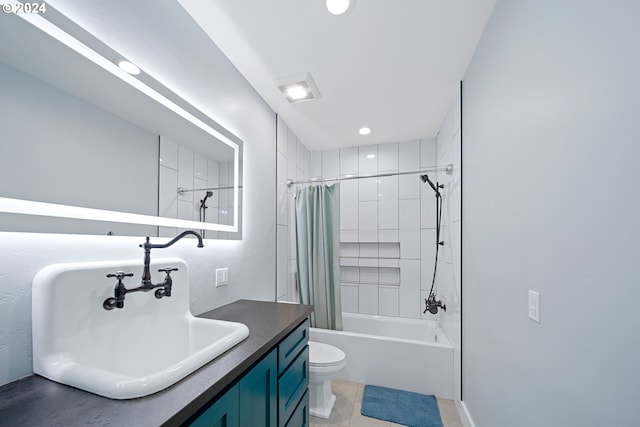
26,207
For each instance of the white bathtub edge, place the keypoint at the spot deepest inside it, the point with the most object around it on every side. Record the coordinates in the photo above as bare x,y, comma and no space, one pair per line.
446,344
465,416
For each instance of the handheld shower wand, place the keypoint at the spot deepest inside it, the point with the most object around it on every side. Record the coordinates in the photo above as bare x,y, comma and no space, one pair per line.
203,201
425,178
203,209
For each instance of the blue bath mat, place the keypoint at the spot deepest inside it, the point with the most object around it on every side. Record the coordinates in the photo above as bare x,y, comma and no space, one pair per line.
401,407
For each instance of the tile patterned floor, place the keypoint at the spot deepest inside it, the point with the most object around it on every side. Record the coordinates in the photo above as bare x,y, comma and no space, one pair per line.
346,412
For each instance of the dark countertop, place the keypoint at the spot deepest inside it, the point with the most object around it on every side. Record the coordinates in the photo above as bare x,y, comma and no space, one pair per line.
36,401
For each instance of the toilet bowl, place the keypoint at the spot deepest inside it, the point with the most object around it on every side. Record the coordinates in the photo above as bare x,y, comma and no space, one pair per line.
324,362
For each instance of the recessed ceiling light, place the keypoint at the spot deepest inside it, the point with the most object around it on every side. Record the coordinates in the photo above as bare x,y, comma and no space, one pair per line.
338,7
297,92
127,66
371,156
298,88
364,131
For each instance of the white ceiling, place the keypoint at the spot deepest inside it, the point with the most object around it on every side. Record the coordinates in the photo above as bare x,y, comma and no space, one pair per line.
391,65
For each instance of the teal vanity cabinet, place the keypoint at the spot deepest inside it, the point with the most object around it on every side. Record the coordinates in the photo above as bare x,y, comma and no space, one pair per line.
258,394
273,393
223,413
293,378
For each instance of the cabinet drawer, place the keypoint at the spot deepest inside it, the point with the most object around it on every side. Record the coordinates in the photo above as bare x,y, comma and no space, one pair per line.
300,417
292,385
292,344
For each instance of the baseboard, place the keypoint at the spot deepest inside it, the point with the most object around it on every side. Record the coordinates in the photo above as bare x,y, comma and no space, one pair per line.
465,417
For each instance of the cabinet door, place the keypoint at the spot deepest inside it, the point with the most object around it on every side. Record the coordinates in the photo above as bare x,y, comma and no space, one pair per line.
225,412
258,394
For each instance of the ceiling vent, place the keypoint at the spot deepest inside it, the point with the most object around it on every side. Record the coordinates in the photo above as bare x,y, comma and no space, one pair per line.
298,88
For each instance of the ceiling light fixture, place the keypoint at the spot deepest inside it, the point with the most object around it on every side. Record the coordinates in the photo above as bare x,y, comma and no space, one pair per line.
364,131
127,66
297,92
300,87
339,7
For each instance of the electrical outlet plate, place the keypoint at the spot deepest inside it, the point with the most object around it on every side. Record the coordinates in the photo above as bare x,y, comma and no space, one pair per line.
222,277
534,306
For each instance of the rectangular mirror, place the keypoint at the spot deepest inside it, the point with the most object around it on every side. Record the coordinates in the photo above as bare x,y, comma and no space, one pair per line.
88,148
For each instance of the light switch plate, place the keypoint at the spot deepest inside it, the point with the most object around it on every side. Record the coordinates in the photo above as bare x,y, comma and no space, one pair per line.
222,277
534,306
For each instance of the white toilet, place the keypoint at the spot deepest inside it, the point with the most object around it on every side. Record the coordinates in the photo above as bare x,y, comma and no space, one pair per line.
324,362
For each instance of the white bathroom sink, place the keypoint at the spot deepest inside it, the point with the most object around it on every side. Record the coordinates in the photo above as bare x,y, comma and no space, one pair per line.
143,348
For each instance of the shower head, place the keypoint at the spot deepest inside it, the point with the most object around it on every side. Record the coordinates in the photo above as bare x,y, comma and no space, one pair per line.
203,201
425,178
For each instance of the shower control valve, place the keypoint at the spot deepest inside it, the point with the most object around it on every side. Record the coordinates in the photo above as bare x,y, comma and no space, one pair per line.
432,305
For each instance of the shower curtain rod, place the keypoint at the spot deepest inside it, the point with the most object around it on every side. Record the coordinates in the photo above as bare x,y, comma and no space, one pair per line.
182,190
448,169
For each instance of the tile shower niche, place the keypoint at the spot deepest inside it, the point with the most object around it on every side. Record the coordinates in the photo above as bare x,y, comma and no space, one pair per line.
367,271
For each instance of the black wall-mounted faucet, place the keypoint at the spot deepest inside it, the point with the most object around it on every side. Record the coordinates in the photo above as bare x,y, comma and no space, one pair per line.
147,246
120,290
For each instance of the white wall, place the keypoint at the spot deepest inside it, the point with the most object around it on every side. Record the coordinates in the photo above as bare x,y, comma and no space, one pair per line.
550,154
293,162
251,261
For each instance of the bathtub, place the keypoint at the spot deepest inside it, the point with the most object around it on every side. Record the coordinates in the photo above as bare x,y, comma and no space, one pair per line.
407,354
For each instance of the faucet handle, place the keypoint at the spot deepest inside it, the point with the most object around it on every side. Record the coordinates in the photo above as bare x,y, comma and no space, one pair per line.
119,275
168,283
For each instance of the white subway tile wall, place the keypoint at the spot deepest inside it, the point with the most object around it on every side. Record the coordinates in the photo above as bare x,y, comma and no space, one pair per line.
388,203
348,161
388,297
349,205
368,221
316,164
330,163
349,293
388,157
368,299
368,189
367,160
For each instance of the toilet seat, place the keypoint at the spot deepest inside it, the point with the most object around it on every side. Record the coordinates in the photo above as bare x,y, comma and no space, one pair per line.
324,355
